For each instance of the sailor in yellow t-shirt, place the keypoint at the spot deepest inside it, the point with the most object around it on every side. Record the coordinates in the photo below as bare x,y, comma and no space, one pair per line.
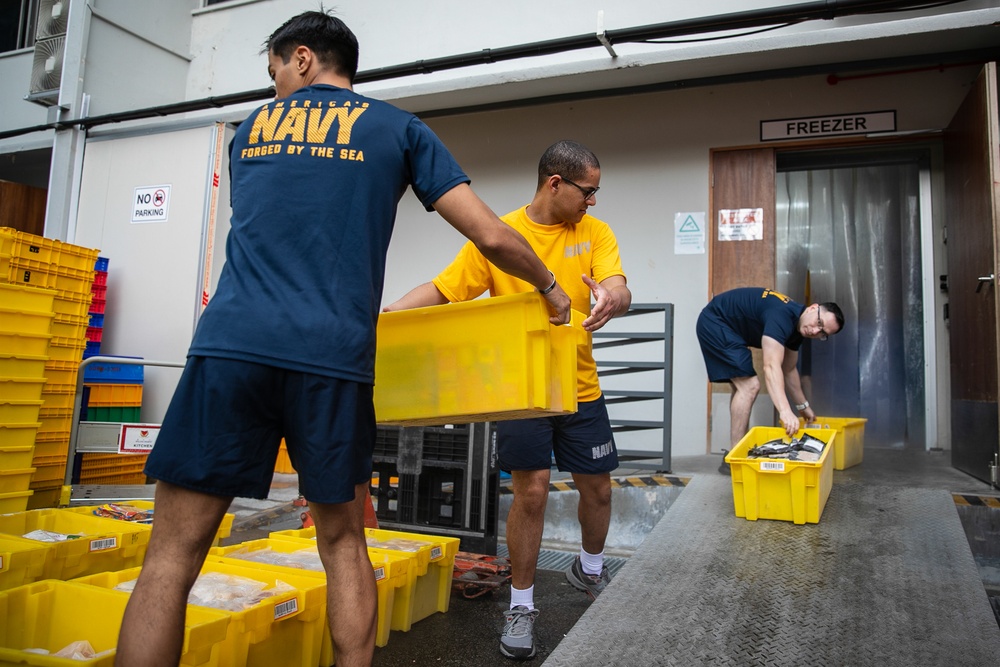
582,254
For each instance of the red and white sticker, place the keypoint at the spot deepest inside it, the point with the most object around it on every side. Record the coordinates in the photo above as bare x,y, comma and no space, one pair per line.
137,438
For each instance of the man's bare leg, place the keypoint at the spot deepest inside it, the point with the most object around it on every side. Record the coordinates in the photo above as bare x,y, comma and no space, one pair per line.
152,631
594,509
745,392
352,597
525,524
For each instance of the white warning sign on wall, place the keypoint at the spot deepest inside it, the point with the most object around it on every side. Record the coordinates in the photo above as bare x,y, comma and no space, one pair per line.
741,224
151,203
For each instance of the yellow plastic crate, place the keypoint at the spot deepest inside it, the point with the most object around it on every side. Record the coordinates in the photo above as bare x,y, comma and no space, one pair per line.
481,360
69,326
67,349
72,303
17,451
432,570
51,615
15,480
44,250
849,449
26,321
284,629
25,298
14,502
19,412
780,489
23,365
21,561
225,528
103,544
21,389
23,344
55,420
391,573
49,498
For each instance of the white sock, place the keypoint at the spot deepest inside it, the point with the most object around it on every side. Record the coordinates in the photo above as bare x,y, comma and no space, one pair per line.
522,598
591,563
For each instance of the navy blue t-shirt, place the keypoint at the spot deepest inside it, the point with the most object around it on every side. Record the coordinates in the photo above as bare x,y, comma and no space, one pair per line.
755,312
316,180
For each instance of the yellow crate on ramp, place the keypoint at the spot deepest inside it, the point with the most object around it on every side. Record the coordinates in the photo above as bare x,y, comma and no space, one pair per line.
285,628
482,360
849,449
780,489
51,614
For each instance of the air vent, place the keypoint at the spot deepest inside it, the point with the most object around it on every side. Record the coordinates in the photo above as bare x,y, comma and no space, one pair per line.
52,16
46,70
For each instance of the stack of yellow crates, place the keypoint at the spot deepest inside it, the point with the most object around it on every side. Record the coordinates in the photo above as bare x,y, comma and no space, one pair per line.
68,270
25,331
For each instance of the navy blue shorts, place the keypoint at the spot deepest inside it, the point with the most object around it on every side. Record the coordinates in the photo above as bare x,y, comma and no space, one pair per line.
726,353
223,428
582,442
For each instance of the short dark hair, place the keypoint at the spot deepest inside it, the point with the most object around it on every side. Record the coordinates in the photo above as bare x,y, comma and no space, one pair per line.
327,36
567,158
838,314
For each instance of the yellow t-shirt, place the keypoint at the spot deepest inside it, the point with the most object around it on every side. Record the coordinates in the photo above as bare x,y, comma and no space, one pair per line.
569,251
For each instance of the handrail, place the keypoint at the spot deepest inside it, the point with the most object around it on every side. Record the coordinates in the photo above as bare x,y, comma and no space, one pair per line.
78,399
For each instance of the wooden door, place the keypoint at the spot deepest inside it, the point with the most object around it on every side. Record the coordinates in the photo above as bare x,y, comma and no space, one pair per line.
972,193
742,178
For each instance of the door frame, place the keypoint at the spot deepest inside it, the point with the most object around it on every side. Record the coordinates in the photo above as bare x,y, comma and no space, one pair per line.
757,264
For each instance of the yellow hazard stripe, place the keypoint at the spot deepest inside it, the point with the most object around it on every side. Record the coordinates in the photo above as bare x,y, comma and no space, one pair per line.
616,483
967,500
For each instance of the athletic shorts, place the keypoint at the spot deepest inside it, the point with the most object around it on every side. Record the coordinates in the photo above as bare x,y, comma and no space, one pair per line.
582,442
224,425
726,353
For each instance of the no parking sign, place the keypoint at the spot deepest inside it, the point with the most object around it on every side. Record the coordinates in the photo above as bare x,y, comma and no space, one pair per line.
151,203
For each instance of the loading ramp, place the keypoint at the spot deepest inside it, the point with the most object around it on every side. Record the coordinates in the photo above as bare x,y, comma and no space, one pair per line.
886,577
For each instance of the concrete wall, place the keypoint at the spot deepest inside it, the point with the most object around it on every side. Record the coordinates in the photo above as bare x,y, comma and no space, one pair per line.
138,54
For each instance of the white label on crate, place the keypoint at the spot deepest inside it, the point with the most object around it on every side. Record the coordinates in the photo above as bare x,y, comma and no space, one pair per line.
772,466
104,544
379,573
286,608
436,553
137,438
1,563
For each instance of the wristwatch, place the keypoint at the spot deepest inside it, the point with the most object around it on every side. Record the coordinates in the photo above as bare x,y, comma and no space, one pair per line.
801,406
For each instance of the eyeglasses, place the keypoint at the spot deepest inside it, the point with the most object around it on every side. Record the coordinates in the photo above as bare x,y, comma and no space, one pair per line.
819,317
587,192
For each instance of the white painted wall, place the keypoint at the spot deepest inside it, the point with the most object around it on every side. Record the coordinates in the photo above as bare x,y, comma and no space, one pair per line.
155,269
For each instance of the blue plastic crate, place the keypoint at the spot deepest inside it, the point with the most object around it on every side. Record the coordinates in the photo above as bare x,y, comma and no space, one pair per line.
93,349
114,373
101,264
96,320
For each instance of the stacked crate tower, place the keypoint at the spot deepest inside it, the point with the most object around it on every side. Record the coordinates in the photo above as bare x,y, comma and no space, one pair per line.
67,271
112,393
25,330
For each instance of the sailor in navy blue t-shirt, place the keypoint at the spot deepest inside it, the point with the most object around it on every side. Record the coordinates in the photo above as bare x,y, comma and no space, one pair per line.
739,319
286,346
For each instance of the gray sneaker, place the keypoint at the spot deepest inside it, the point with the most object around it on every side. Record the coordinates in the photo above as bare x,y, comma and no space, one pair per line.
518,637
590,584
